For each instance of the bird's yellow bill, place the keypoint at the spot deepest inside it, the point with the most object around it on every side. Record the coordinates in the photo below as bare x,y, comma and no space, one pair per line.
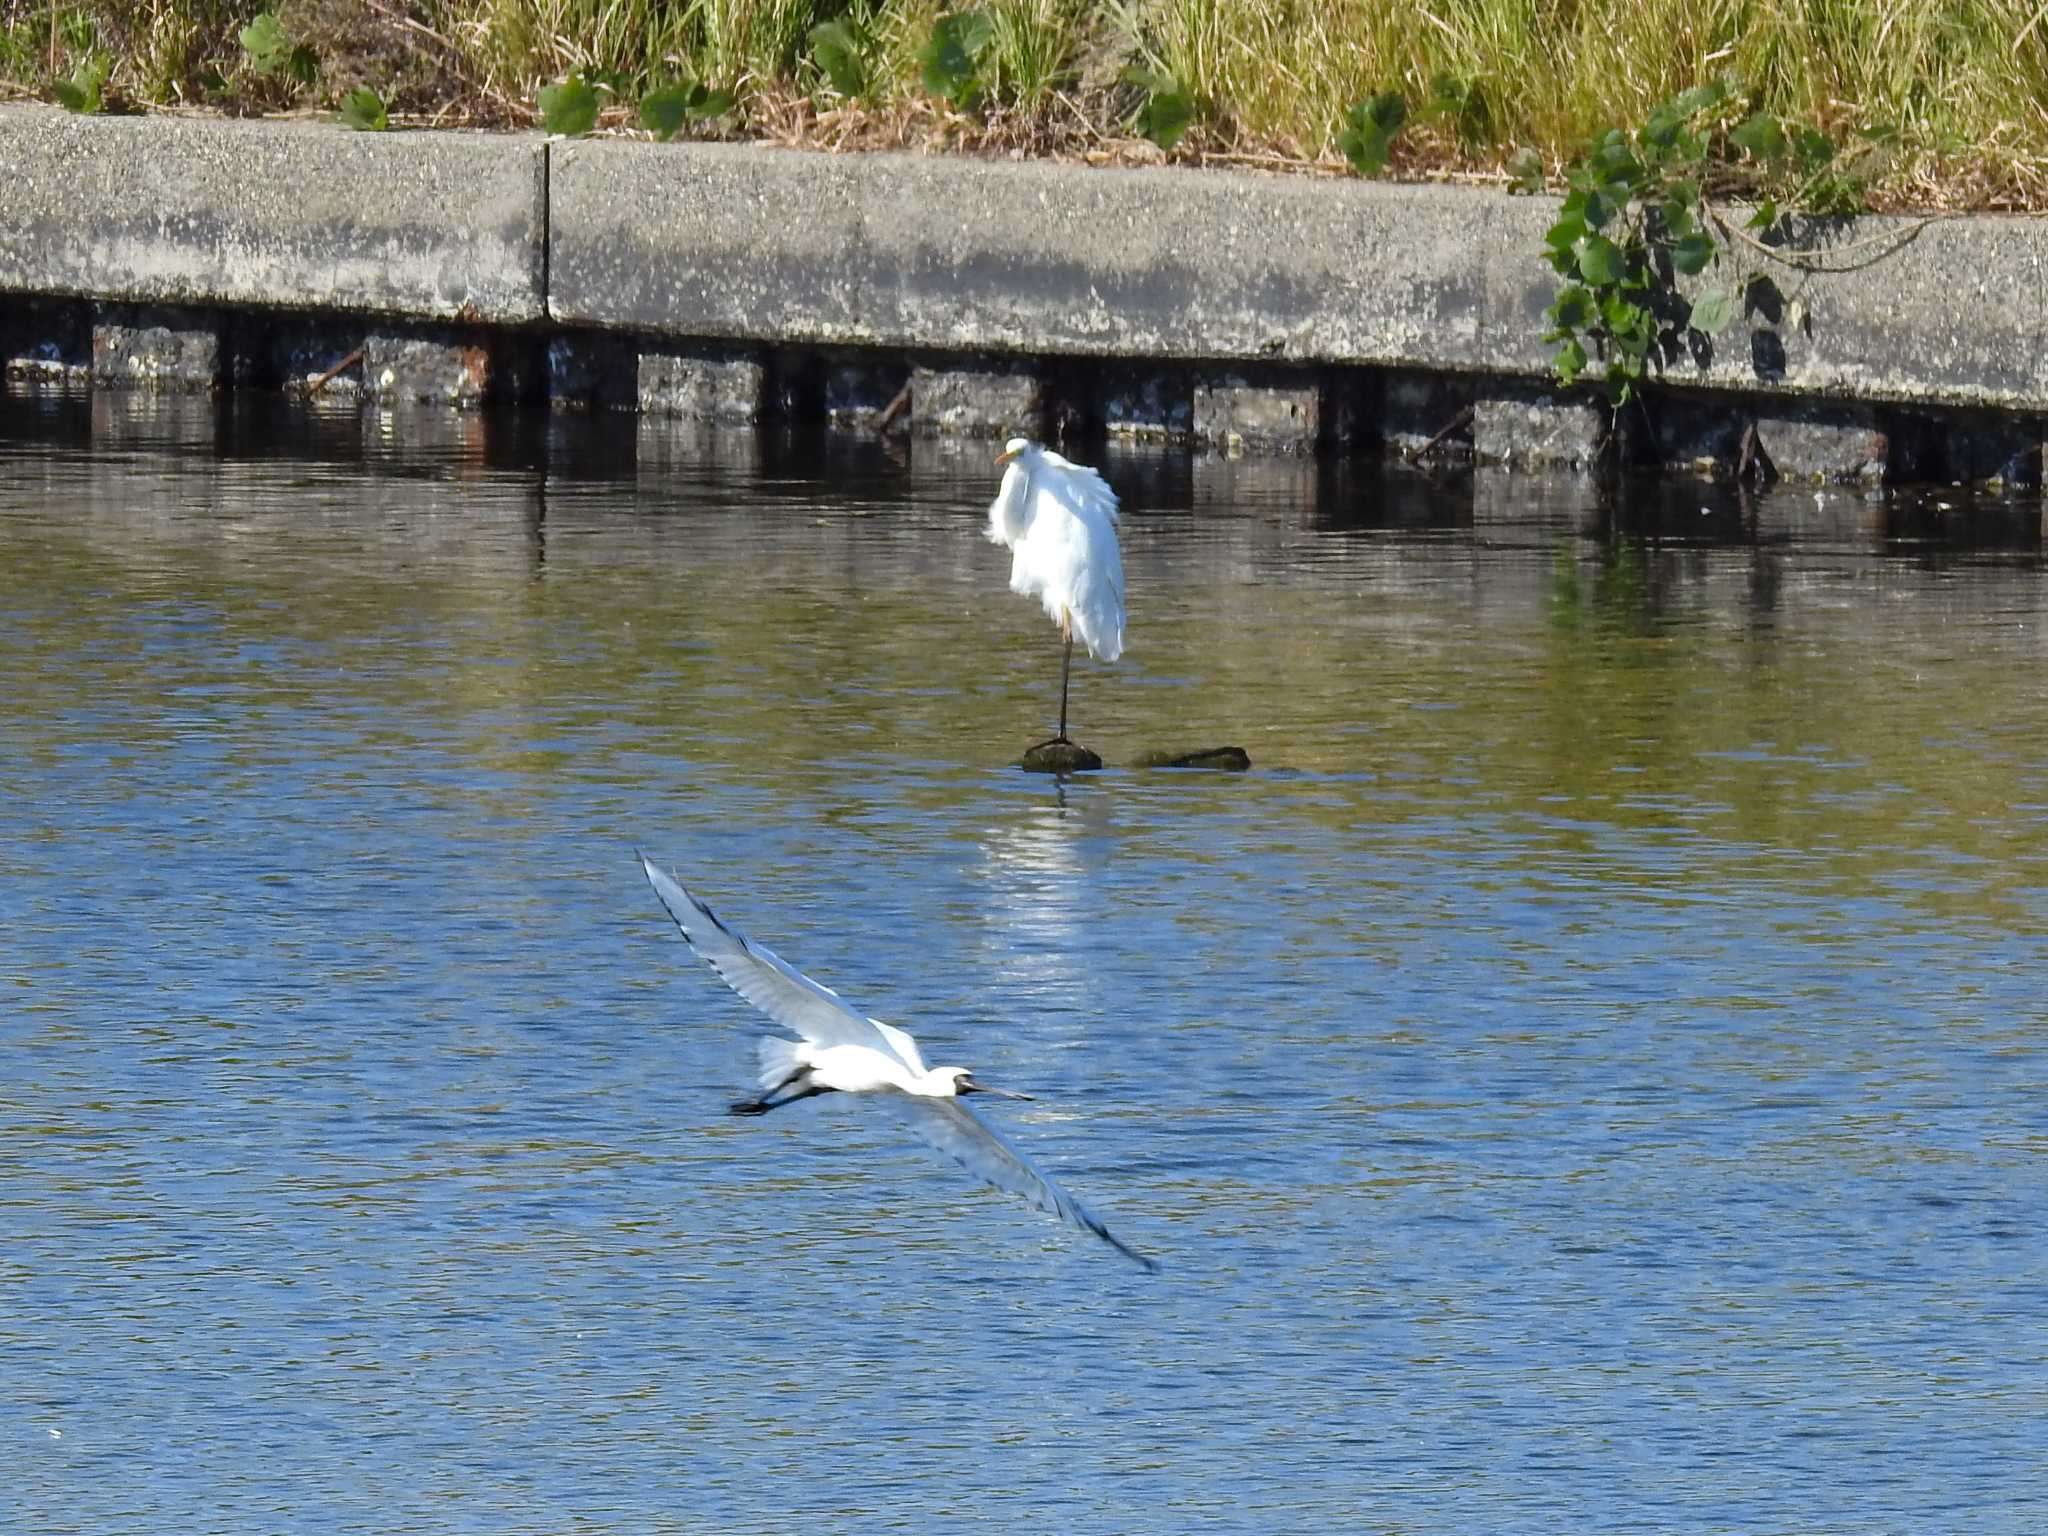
1006,455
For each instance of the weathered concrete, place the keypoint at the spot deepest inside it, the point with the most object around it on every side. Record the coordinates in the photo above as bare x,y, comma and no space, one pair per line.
703,383
1947,311
1260,410
737,241
1247,310
1532,426
1827,444
156,348
978,398
904,251
203,211
1757,439
453,367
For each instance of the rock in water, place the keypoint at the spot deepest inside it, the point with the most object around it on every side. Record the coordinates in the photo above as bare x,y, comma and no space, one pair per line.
1223,759
1059,757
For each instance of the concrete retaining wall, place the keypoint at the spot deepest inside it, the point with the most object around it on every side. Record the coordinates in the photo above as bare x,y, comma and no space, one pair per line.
1248,311
203,211
1036,259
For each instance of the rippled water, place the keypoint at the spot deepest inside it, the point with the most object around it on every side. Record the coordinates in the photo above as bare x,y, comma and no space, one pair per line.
1589,1075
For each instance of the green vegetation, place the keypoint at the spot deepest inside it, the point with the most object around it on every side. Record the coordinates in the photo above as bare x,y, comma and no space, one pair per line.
1954,91
1367,133
1631,224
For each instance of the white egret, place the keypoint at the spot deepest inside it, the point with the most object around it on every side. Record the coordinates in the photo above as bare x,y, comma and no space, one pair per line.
1059,521
844,1051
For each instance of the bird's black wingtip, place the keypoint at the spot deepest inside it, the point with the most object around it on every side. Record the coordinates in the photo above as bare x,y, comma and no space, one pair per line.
1144,1261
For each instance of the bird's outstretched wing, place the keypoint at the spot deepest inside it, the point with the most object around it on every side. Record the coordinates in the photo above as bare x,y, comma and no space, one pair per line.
771,984
963,1136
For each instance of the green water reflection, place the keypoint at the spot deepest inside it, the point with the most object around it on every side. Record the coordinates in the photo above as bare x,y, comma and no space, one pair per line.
1846,698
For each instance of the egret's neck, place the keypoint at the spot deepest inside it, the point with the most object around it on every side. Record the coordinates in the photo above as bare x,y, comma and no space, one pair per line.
1006,515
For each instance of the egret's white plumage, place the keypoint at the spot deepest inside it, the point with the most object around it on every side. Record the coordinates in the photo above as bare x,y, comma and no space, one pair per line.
1059,520
845,1051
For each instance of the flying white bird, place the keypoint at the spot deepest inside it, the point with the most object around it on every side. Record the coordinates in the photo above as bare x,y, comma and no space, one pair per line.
1059,520
844,1051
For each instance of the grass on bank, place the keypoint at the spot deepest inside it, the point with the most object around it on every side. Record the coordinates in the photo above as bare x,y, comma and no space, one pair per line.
1957,89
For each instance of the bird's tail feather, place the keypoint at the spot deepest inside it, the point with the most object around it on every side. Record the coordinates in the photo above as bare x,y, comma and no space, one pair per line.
780,1061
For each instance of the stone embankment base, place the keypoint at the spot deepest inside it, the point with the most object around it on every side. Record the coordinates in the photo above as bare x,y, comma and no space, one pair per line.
1233,409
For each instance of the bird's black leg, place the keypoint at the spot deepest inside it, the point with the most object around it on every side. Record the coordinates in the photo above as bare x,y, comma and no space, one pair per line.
768,1101
1066,666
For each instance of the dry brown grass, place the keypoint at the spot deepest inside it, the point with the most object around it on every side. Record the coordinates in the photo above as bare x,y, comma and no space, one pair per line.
1960,86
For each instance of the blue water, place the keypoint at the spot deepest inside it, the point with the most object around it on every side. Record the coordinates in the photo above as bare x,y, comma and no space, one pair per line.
1590,1075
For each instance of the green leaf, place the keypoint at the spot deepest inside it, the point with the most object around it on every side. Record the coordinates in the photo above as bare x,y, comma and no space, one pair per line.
1464,102
1812,149
663,112
1525,171
1765,216
1385,110
1690,104
839,53
569,107
363,110
1614,162
957,41
1600,260
1166,115
1763,137
1662,129
1367,135
1675,217
1571,362
1628,324
1567,232
1692,254
85,90
271,51
266,43
1573,309
1712,311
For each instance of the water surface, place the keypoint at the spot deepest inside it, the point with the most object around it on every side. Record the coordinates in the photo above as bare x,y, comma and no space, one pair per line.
1588,1076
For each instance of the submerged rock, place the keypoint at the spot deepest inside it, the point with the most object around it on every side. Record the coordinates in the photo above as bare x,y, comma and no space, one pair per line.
1222,759
1059,757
